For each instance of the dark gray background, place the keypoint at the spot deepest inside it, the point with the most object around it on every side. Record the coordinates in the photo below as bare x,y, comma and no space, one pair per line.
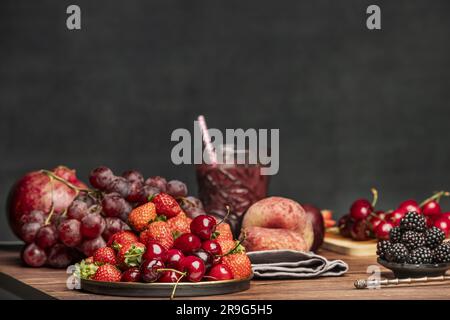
355,108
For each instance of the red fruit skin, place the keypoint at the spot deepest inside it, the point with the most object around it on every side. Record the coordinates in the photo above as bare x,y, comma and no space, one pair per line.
59,256
382,230
154,251
169,277
108,273
315,216
131,275
220,272
395,217
194,268
203,226
443,224
360,209
172,258
89,247
33,256
34,192
408,206
187,243
431,208
166,205
212,246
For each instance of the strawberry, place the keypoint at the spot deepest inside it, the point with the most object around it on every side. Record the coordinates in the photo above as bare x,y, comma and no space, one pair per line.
158,231
107,273
166,205
141,216
179,224
120,238
86,268
130,254
223,231
239,264
105,255
226,245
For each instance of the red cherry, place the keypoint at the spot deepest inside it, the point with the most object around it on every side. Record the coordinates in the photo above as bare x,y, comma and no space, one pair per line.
187,243
443,224
382,230
149,270
194,268
154,251
395,217
409,206
220,272
203,226
360,230
345,225
360,209
431,208
445,215
169,277
172,258
206,257
212,246
131,275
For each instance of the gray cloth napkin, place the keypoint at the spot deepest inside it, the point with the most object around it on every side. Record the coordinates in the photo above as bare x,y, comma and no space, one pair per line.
290,264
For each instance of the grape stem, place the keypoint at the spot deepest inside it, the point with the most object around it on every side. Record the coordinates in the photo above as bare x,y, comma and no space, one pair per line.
437,196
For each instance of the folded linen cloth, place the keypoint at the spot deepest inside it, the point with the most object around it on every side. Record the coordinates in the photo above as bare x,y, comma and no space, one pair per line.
290,264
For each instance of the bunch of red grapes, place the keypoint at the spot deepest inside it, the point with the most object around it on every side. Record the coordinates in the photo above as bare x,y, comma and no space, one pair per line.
94,216
364,222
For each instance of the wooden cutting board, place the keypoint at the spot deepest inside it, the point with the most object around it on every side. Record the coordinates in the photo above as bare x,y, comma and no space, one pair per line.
335,242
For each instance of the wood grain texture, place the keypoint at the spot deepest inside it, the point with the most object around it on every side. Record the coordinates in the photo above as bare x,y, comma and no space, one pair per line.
52,282
335,242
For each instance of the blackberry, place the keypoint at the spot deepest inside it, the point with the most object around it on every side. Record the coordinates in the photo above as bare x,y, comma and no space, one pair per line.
419,256
397,252
441,253
413,240
382,247
434,237
395,235
414,222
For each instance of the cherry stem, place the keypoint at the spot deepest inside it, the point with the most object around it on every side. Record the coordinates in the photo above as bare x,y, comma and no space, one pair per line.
226,216
183,274
375,197
437,196
173,270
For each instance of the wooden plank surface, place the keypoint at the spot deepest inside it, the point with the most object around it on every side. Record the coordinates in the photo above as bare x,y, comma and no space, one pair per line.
52,283
335,242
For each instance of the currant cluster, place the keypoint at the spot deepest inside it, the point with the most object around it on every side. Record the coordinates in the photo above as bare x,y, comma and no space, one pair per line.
412,242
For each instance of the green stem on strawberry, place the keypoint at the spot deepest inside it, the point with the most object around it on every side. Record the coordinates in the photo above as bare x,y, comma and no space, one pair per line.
375,197
437,196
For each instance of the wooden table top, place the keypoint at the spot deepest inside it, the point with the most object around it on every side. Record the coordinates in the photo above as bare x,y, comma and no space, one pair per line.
45,283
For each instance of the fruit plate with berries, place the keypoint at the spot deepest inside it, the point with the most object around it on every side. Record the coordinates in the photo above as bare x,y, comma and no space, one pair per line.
182,289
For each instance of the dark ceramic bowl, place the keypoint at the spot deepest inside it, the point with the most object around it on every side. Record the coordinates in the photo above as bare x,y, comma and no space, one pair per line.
404,270
184,289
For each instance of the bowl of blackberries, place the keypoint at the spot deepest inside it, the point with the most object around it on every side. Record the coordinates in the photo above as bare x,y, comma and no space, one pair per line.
414,250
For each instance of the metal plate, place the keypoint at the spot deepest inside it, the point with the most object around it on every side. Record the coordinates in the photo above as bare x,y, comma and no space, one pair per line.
184,289
404,270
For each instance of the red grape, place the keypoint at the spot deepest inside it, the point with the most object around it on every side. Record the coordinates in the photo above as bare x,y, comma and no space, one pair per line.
147,192
59,256
90,246
69,232
157,182
33,216
34,256
92,226
47,236
133,176
101,177
113,225
113,204
176,189
29,231
136,191
120,185
77,210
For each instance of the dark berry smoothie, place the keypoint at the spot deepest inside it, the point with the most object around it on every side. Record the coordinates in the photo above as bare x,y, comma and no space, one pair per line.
235,185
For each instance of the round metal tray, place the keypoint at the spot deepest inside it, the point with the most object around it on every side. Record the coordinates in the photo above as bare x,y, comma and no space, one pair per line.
156,289
404,270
